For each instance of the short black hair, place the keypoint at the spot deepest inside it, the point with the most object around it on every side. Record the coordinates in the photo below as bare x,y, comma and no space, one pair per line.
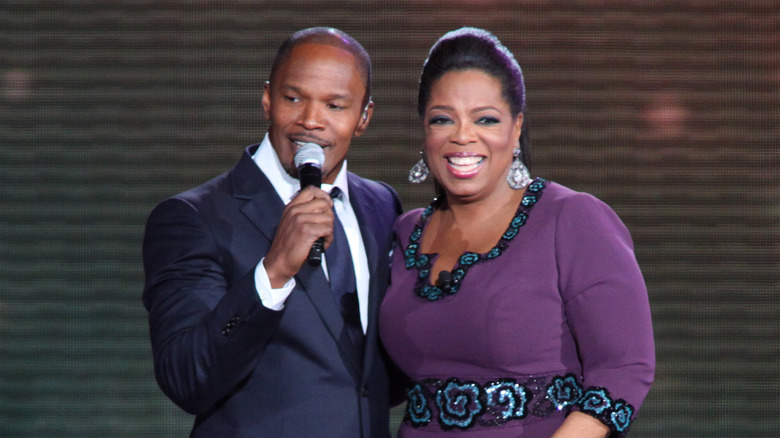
332,37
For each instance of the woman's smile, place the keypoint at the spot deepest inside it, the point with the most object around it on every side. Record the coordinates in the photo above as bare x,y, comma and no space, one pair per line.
464,164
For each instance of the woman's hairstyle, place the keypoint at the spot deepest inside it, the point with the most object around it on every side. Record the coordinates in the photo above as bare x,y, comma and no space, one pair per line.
469,48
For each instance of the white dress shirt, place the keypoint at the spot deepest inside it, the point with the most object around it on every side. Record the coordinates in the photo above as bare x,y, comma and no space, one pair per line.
287,187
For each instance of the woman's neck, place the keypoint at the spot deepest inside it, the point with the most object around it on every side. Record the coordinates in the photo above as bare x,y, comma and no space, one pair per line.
458,225
491,210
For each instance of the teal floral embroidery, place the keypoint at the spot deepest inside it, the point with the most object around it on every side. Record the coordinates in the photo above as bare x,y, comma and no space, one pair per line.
410,254
595,401
564,392
417,410
621,416
529,200
468,259
462,405
510,233
459,404
430,292
423,262
507,400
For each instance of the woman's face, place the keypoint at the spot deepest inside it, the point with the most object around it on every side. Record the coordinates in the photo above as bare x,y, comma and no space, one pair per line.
470,135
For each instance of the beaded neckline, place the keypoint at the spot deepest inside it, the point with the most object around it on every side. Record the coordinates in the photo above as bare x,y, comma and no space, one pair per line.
423,262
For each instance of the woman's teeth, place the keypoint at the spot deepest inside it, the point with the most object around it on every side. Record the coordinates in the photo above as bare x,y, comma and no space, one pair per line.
465,163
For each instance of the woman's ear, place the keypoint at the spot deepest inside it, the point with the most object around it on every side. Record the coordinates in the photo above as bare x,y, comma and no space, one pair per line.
518,128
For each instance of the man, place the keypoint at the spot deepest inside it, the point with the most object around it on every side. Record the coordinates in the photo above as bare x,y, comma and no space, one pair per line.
247,334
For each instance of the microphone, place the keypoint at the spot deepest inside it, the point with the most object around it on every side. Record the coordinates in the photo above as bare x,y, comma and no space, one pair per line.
445,280
309,159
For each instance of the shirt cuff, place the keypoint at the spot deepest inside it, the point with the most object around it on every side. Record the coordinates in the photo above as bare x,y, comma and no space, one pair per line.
271,298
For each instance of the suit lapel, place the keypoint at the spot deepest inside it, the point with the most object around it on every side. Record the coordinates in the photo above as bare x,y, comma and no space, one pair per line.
263,207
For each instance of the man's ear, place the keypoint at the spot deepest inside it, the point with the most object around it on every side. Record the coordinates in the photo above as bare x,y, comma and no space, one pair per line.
266,100
368,111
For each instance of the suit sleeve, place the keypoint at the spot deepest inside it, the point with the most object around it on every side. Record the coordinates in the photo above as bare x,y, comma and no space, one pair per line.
607,308
207,331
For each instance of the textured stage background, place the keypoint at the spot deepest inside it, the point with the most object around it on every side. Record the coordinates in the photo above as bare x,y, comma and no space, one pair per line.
667,110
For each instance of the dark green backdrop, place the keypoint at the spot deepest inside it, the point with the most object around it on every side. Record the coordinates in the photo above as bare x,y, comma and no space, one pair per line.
667,110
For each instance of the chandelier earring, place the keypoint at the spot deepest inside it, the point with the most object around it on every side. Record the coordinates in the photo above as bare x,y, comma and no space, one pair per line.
518,176
419,171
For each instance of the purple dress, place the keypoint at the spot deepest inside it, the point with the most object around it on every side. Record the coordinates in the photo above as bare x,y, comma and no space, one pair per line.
554,318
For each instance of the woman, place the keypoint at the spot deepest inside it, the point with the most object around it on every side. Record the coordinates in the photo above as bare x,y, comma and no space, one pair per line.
517,308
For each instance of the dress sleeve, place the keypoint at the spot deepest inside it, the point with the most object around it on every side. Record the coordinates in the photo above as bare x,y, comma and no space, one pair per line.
607,310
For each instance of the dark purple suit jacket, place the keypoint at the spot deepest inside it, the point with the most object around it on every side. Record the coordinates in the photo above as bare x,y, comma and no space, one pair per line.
242,369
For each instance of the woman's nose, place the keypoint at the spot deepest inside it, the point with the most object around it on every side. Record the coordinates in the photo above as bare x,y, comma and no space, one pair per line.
464,134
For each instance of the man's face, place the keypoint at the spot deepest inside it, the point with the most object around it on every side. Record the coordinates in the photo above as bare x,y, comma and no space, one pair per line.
316,97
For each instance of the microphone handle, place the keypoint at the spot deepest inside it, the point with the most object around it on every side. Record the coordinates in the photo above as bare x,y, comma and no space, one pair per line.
310,175
315,253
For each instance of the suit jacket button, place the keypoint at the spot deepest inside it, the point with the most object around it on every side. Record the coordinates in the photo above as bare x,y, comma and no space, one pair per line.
364,392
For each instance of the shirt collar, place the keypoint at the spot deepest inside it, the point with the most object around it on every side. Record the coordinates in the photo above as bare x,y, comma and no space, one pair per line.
341,183
286,186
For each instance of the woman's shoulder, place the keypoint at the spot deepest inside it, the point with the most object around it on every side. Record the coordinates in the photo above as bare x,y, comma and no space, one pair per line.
406,221
576,209
561,197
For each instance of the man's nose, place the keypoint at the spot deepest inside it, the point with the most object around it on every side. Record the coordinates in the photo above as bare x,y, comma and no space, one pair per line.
311,117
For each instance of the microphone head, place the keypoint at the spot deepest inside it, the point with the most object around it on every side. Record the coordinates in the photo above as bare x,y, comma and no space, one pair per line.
445,280
309,153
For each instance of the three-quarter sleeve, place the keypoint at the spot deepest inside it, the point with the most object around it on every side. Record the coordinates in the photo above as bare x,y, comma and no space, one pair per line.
607,309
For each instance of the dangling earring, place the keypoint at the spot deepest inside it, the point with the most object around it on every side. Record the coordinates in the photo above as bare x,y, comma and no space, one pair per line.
518,176
419,172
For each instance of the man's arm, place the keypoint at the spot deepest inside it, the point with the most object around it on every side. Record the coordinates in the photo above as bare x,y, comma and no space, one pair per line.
206,334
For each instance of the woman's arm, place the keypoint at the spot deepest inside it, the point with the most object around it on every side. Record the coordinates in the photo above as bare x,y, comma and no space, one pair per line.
579,425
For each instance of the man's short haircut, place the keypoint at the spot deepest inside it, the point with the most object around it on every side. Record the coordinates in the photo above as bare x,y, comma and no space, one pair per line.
331,37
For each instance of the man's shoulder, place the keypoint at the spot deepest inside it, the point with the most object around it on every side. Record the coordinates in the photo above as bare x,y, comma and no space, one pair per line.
224,183
380,195
374,186
216,186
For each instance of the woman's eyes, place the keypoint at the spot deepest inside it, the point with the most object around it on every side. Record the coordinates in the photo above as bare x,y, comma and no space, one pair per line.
442,120
488,120
439,120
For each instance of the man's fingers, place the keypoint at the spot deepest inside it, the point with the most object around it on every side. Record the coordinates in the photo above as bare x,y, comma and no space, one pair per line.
310,194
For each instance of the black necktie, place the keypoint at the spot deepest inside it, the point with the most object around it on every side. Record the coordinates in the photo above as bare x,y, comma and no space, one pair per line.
342,279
